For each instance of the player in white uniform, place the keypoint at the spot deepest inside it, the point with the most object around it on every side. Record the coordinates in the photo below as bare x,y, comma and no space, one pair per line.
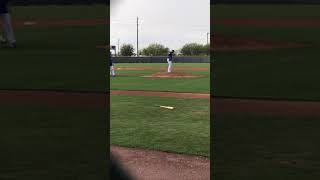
5,20
169,60
112,71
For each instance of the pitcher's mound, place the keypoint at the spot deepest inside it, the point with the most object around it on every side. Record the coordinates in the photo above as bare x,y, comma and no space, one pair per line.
173,75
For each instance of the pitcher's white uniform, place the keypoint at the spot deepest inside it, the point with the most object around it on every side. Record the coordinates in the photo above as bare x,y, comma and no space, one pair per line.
112,71
169,60
5,19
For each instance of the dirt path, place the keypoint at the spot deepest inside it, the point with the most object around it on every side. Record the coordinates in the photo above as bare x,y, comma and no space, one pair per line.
219,105
80,99
165,68
157,165
269,22
243,106
178,75
266,107
224,43
161,94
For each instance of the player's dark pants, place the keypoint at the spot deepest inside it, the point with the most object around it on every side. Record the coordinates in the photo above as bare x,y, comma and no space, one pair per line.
3,6
6,22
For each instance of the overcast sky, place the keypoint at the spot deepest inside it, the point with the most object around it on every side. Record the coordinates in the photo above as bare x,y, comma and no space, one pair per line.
169,22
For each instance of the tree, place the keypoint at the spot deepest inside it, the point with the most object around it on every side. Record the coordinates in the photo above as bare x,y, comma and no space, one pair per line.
206,49
192,49
126,50
155,50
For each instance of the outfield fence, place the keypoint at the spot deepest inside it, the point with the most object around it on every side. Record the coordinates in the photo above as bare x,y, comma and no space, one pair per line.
161,59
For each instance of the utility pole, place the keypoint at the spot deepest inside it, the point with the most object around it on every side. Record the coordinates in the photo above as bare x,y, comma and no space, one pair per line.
137,36
118,47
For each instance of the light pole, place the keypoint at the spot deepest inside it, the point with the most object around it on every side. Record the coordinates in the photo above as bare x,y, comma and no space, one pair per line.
137,36
118,47
208,38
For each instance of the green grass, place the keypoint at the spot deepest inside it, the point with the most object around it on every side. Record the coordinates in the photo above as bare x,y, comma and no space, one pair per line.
257,147
303,35
140,122
132,80
56,57
57,12
282,73
65,142
264,147
264,10
277,74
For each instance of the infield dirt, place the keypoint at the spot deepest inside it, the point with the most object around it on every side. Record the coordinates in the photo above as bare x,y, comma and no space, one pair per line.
173,75
156,165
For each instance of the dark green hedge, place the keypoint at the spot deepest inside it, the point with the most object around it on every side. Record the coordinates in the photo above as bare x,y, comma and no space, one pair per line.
45,2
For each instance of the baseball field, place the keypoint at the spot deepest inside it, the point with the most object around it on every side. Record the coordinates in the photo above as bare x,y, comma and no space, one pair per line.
266,92
264,81
52,96
138,121
57,48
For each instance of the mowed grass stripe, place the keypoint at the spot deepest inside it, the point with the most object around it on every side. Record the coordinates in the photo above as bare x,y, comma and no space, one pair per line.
140,122
265,147
279,73
62,141
133,80
257,11
69,61
56,12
